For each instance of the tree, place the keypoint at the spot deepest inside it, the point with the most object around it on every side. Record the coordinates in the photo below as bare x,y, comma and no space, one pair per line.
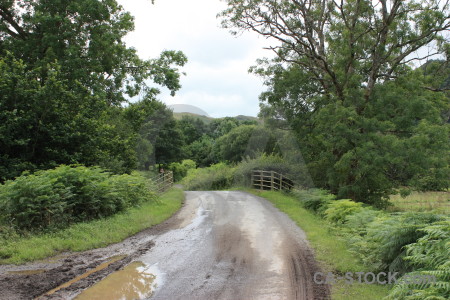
345,45
244,141
85,38
65,71
341,79
192,129
159,139
201,151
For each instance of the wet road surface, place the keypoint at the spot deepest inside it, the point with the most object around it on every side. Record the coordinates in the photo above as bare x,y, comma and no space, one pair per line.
232,245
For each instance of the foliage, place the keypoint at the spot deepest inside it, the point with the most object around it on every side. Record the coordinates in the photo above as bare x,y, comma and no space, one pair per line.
201,151
316,200
366,122
337,211
85,39
222,126
216,177
430,256
357,222
383,245
64,73
69,194
18,249
192,129
344,44
245,140
180,170
413,244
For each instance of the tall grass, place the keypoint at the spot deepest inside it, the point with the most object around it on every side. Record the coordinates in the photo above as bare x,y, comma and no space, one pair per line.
422,201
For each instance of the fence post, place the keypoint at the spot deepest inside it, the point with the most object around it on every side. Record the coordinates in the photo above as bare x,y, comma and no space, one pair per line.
261,180
272,184
253,179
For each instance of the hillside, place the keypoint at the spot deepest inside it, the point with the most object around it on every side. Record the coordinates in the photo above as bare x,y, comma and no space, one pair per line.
207,119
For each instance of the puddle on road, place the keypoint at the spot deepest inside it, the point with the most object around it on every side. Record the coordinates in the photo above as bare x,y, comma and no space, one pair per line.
27,272
82,276
135,281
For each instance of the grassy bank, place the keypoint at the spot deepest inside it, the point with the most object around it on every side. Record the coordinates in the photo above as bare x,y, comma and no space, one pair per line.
89,235
331,252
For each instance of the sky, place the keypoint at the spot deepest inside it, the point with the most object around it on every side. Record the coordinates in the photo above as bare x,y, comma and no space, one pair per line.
217,79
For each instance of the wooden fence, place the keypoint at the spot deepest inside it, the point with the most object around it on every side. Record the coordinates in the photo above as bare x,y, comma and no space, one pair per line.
270,180
163,181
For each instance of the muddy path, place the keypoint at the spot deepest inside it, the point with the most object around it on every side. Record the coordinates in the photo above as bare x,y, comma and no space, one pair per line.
220,245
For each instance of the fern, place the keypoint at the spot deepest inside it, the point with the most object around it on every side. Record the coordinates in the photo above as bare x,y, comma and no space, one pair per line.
383,246
430,256
338,211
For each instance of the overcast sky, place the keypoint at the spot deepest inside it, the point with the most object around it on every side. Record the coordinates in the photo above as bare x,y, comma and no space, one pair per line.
217,79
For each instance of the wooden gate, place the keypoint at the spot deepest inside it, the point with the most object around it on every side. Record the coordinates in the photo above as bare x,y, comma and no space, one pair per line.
270,180
163,181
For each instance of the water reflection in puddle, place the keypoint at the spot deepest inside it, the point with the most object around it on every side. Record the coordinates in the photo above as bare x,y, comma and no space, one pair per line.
135,281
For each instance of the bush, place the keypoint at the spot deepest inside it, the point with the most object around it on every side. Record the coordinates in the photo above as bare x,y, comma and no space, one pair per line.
216,177
337,211
67,194
316,200
180,169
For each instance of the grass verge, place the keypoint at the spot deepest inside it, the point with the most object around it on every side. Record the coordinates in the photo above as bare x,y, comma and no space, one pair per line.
90,235
330,251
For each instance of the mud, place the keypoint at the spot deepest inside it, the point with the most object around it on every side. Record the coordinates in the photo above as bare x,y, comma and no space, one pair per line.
220,245
60,269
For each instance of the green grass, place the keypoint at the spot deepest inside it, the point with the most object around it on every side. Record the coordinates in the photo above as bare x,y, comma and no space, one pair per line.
422,201
330,251
90,235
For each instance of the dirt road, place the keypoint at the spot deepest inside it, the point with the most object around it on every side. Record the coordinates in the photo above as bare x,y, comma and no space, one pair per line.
220,245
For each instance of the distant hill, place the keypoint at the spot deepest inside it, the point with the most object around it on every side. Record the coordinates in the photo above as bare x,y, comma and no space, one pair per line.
205,119
246,118
186,108
180,110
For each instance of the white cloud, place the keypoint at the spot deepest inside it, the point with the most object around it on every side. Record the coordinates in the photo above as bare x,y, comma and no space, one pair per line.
217,80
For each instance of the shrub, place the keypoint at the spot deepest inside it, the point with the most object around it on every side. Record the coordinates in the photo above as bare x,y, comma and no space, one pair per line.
337,211
67,194
216,177
180,169
316,200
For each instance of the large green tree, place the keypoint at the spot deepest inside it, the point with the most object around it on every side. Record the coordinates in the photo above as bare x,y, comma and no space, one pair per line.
64,68
342,80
